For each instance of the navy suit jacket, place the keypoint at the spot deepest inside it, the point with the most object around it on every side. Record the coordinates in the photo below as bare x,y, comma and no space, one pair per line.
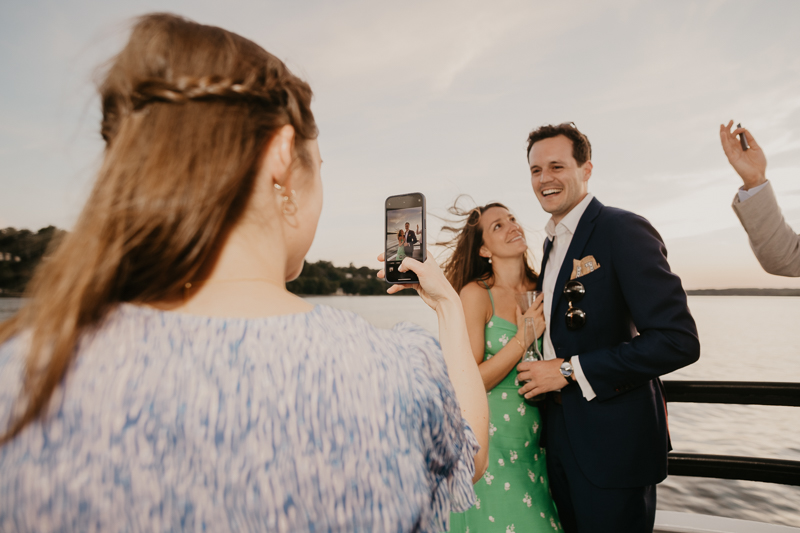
638,327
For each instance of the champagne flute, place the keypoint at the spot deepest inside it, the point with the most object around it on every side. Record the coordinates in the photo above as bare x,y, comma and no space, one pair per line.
531,336
531,341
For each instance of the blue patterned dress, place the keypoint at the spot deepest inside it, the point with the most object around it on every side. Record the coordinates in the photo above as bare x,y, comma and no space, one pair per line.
306,422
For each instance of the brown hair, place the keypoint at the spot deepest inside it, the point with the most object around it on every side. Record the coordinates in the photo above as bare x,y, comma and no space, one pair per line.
465,263
188,110
581,147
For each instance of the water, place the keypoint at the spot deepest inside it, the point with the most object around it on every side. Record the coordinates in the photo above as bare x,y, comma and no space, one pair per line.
8,306
743,339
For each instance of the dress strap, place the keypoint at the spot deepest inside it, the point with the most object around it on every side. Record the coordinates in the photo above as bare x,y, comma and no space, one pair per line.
486,286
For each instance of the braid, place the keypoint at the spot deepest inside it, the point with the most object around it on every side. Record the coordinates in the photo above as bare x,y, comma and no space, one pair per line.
207,87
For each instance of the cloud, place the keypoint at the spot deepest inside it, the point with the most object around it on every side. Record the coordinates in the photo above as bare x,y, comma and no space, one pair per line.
438,97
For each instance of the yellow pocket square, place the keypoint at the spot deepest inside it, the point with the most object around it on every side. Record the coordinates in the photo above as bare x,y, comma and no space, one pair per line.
587,265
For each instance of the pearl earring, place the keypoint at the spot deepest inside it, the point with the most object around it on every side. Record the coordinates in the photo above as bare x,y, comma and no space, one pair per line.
289,202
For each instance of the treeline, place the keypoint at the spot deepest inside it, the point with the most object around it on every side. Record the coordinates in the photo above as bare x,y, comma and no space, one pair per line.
324,278
21,250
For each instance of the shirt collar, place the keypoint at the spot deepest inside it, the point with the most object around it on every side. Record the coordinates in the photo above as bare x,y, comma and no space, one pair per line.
570,222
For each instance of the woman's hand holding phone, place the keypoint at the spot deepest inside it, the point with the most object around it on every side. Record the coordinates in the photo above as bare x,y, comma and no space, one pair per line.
433,287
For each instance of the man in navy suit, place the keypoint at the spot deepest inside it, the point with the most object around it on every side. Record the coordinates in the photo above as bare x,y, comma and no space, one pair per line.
411,238
622,322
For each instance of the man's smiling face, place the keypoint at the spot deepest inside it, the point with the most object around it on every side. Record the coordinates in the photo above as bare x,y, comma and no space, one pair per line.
558,181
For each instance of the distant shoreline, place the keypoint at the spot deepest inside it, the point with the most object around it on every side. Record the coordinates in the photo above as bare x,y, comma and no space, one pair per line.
744,292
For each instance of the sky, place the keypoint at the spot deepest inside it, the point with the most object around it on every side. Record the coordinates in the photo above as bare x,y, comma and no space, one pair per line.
439,97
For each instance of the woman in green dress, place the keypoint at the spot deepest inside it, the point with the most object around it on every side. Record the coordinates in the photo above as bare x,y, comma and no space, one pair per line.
401,246
488,267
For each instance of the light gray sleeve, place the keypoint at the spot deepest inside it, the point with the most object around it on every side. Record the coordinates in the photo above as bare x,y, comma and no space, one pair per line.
775,244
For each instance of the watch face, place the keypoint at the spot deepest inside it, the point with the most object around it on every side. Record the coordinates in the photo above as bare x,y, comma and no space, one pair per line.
566,369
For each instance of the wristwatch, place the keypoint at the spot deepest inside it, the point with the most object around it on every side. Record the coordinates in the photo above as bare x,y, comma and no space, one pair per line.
567,370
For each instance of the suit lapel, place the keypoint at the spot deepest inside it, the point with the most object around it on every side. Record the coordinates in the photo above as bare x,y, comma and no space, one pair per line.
579,240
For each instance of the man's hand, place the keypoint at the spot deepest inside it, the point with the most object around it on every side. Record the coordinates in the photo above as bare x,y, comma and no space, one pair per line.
751,165
541,377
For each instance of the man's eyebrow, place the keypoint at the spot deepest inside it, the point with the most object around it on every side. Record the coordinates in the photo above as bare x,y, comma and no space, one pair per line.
553,162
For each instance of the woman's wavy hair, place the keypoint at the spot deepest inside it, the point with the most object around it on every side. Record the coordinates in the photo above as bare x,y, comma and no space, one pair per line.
188,110
465,263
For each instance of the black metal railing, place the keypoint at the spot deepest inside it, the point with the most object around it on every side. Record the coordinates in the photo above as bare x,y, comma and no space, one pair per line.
781,471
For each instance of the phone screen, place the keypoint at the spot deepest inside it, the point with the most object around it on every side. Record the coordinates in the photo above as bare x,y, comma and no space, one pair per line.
405,234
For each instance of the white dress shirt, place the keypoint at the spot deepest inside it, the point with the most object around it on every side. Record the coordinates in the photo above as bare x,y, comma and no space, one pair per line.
561,235
744,194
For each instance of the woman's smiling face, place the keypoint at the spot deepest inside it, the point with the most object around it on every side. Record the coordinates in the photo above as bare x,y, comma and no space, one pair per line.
502,235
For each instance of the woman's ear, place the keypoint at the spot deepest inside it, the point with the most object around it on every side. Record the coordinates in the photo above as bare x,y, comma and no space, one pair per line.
484,252
278,156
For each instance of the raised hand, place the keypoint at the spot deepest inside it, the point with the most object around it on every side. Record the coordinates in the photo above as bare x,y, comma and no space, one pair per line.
433,287
751,165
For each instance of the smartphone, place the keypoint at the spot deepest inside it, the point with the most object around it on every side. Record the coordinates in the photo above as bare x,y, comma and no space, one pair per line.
405,232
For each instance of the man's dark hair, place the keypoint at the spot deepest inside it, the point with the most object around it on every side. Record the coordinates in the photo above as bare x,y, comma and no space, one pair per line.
581,147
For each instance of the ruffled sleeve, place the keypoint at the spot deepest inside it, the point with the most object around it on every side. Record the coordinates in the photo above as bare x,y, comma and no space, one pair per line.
450,444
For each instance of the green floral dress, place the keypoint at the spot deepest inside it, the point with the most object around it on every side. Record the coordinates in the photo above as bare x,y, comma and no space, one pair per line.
514,493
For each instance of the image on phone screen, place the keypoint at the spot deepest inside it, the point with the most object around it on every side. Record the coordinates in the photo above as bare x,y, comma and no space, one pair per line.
405,234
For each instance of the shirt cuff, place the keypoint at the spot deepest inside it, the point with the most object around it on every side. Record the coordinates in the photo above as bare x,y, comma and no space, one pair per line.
580,377
745,194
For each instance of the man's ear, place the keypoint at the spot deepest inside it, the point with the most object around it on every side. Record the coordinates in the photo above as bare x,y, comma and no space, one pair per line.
587,170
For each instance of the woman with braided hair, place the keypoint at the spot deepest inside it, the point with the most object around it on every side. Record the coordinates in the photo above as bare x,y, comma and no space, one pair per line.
161,377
